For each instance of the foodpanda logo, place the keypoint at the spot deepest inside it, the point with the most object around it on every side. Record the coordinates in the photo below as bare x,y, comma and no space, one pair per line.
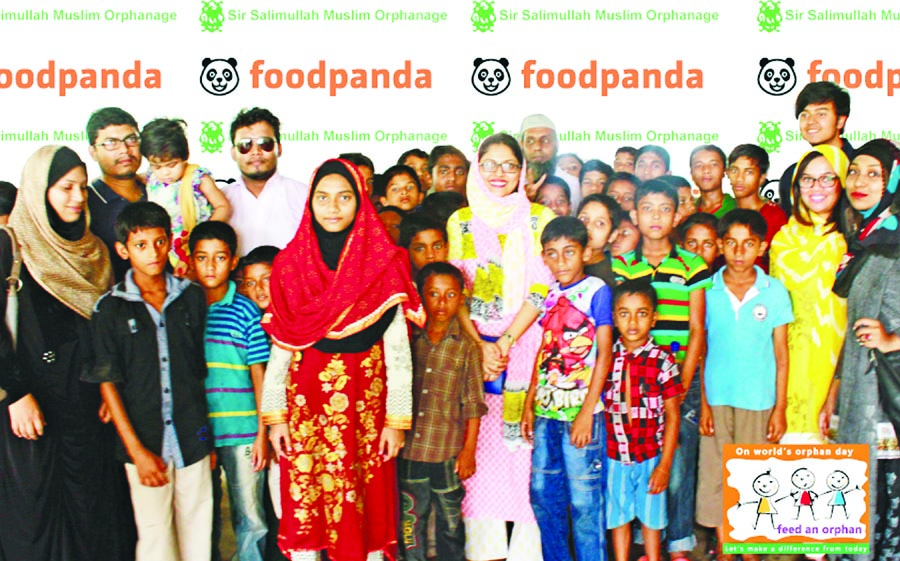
219,76
491,76
776,76
875,77
592,76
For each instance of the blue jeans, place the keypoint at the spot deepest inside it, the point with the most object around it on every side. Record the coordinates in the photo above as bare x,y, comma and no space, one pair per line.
245,498
423,484
682,490
565,478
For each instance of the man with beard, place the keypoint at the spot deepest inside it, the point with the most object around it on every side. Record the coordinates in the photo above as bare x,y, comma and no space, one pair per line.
115,144
537,137
267,206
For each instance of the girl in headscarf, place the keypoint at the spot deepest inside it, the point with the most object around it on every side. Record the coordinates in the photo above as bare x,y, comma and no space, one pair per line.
805,255
869,277
496,243
50,439
337,392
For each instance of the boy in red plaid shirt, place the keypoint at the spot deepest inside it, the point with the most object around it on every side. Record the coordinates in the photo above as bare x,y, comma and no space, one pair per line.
640,398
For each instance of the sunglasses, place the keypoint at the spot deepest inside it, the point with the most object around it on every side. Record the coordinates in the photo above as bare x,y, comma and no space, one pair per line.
265,143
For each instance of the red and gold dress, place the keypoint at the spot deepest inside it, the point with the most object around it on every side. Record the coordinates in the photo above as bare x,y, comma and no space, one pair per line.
340,337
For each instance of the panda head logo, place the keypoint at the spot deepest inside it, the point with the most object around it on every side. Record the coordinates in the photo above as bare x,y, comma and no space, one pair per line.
219,75
776,76
491,76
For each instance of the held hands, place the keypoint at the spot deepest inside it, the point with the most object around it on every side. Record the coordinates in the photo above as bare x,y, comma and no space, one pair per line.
391,442
280,439
151,468
494,360
26,418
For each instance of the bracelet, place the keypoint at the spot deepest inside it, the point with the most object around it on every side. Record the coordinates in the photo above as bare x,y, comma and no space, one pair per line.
512,340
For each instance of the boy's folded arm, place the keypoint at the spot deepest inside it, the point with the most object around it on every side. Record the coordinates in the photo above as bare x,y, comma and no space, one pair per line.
274,391
398,368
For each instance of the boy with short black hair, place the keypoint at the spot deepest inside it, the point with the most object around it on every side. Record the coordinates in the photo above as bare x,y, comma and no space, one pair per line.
641,401
680,279
151,366
443,204
425,238
699,234
255,271
563,414
601,215
624,159
651,162
743,401
822,110
707,171
748,165
236,354
686,205
447,410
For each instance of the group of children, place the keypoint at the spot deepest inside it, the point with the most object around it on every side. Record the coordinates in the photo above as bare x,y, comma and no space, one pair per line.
634,325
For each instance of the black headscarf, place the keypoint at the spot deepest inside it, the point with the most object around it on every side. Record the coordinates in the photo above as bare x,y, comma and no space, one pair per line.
64,160
879,229
331,244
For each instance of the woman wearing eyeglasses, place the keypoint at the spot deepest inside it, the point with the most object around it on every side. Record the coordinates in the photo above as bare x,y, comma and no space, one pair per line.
869,277
495,241
805,255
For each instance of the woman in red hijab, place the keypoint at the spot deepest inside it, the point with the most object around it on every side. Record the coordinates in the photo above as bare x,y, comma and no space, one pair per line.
337,394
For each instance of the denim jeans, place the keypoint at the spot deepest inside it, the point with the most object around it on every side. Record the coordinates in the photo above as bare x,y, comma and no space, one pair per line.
565,478
245,498
424,485
681,493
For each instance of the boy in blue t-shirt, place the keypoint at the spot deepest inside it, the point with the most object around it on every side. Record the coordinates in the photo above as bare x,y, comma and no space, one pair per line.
236,354
563,413
744,382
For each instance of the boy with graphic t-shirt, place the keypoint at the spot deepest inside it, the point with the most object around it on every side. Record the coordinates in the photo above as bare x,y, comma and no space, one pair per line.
563,413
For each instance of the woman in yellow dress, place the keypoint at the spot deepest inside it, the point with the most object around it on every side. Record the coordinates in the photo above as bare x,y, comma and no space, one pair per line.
805,255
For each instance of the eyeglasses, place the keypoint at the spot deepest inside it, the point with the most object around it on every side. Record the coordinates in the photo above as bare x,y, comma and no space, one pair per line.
112,144
827,181
489,166
265,143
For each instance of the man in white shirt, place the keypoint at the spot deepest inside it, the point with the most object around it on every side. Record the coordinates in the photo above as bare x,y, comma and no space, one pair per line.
267,206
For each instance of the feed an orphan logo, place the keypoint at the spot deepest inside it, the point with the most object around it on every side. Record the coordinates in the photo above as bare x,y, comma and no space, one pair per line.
212,137
483,16
776,76
219,76
769,137
212,15
491,76
769,16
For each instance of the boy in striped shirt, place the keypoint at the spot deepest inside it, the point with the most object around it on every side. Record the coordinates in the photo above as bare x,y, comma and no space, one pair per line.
680,279
236,354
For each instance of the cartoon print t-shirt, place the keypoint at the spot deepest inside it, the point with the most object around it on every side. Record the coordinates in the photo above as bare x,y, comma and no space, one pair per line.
568,346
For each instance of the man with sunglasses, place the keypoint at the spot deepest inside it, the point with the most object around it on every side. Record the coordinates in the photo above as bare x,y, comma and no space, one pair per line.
115,144
267,206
